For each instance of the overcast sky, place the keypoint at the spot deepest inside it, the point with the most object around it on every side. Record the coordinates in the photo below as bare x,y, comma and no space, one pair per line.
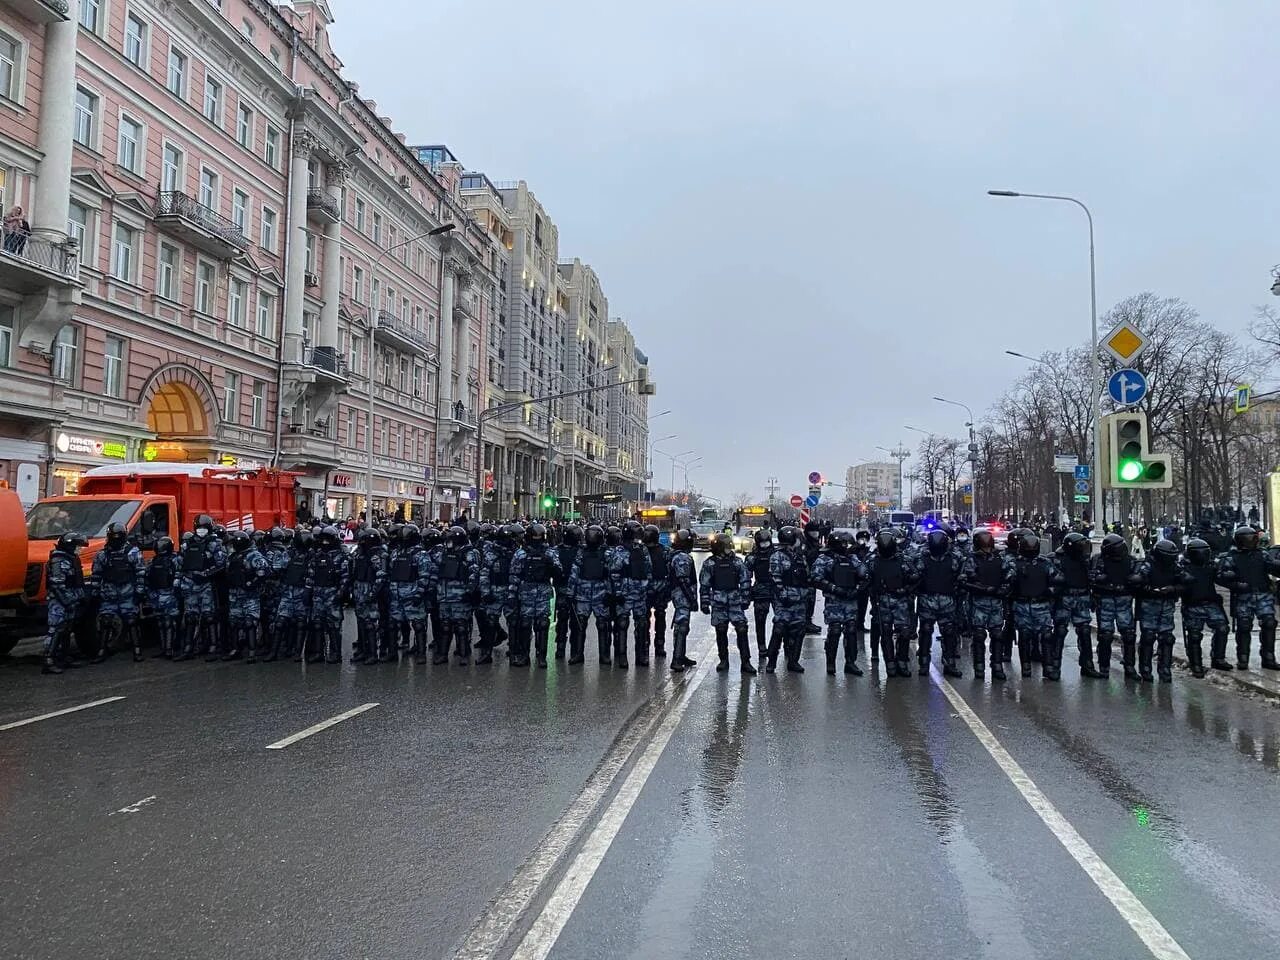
787,202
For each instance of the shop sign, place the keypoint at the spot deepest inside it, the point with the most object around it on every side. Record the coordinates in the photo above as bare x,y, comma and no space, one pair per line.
420,490
342,479
88,446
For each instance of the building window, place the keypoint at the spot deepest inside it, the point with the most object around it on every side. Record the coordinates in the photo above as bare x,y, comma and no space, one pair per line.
168,272
357,284
176,79
129,145
275,55
268,229
6,337
122,252
272,152
209,189
212,99
237,299
377,228
353,358
359,214
311,253
231,398
259,404
78,227
113,368
86,114
10,66
244,127
351,428
135,40
240,210
65,349
91,15
246,27
266,313
171,178
204,287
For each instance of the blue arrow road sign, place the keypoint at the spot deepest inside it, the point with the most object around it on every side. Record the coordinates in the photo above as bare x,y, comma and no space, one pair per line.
1082,486
1127,387
811,501
1082,471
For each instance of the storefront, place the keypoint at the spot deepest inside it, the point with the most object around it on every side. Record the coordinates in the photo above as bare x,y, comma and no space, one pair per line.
75,453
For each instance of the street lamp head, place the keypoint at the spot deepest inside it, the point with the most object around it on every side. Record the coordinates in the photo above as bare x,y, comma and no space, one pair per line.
1004,193
442,229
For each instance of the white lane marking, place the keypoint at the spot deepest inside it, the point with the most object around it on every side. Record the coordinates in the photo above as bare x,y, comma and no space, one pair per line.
58,713
546,929
322,725
1158,940
494,926
134,807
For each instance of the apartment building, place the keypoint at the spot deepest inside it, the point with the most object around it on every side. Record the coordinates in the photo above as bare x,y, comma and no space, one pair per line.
874,481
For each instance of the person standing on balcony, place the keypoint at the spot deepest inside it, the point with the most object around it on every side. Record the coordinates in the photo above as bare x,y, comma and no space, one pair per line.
16,231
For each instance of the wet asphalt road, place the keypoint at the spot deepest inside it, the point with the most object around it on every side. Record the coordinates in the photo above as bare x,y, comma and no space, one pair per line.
786,817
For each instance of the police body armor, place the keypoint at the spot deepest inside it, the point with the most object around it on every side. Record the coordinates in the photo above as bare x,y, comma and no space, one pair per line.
939,577
1161,576
326,574
635,563
724,577
990,571
403,569
1117,570
795,575
764,576
365,571
295,574
74,579
161,573
1251,568
591,565
500,576
194,559
537,568
452,567
118,571
1201,587
1033,580
568,553
1076,574
843,576
658,559
890,576
237,572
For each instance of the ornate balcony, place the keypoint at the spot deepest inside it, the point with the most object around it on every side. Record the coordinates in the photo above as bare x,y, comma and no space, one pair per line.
396,333
321,207
31,263
192,222
41,11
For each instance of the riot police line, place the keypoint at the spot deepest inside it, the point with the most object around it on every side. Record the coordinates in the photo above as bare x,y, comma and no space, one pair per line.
430,592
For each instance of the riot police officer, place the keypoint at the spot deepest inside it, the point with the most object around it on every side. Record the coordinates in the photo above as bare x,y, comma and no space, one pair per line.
937,577
891,578
790,575
293,609
1073,603
160,589
757,562
659,588
838,573
684,597
634,578
496,552
1201,607
276,552
327,574
246,571
592,590
368,584
1033,587
1111,576
455,576
725,593
988,576
1246,571
812,550
202,558
568,627
118,570
534,569
405,575
64,588
1159,584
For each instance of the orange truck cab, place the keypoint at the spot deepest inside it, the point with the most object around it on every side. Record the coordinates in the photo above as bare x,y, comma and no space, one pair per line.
152,500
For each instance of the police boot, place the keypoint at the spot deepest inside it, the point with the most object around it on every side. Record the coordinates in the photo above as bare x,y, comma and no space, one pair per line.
1084,640
520,638
313,644
679,636
642,643
577,641
1244,643
744,651
997,658
1128,653
1267,644
420,642
333,644
1036,648
660,633
620,643
50,663
1218,650
251,643
1164,657
234,640
890,660
924,651
832,647
775,647
1007,635
1195,653
604,641
1146,649
136,631
794,643
359,651
106,633
951,657
873,642
978,649
277,642
852,647
902,655
462,641
212,637
1104,654
1046,644
541,637
444,639
722,647
1024,653
484,649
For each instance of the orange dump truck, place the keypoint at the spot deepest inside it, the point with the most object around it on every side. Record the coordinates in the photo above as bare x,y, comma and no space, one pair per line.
152,500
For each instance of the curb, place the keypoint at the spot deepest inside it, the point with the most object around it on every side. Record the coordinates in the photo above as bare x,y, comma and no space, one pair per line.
1247,681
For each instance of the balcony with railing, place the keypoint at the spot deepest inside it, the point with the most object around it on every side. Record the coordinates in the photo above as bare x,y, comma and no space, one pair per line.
29,263
41,11
321,207
192,222
464,302
400,335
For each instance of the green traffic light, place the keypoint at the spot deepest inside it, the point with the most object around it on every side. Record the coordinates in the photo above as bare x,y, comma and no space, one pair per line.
1130,470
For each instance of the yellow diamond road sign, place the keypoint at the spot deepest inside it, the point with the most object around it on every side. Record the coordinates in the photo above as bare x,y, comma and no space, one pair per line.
1124,342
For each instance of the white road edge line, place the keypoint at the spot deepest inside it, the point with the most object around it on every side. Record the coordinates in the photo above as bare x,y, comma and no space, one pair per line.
1158,940
546,929
134,807
58,713
322,725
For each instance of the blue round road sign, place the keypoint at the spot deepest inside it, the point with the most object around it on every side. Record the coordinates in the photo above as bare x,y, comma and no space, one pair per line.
811,501
1127,387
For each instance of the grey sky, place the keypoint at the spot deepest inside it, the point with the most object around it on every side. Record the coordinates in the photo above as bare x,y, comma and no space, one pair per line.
787,202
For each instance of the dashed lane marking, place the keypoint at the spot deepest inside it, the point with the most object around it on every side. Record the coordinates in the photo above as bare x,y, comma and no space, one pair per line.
322,725
59,713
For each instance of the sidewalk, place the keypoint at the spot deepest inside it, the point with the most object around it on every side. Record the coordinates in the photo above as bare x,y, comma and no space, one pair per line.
1259,682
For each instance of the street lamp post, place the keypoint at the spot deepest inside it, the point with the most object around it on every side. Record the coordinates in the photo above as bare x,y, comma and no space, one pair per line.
648,463
899,453
1096,364
973,458
373,325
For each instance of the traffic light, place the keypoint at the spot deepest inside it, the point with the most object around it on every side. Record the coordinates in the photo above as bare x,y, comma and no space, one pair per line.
548,501
1127,461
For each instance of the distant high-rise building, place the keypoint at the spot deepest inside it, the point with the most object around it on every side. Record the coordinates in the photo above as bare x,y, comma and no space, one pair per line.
874,481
